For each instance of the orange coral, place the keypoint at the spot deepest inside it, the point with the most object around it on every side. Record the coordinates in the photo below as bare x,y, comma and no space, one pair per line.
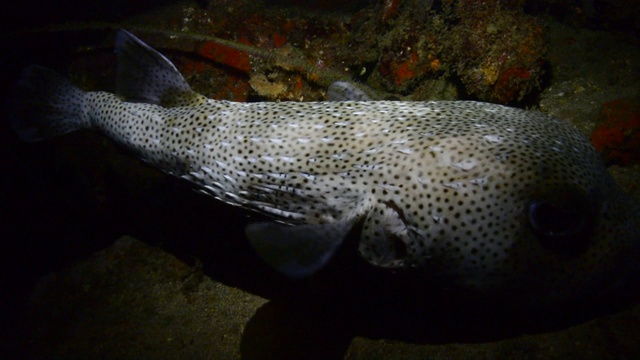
434,63
389,9
402,71
497,51
509,84
617,135
225,55
279,40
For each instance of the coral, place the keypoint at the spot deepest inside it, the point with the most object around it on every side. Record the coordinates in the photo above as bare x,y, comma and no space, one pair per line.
234,58
390,9
401,67
404,50
617,135
401,48
497,51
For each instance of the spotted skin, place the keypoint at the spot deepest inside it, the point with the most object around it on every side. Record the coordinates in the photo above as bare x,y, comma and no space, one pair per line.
456,187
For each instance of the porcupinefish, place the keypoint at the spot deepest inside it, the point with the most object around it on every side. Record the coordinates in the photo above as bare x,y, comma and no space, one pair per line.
490,195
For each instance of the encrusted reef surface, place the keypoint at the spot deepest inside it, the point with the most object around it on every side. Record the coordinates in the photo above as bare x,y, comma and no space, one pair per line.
410,49
71,197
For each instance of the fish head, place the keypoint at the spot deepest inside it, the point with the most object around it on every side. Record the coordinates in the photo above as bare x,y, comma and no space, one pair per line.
576,234
526,208
563,229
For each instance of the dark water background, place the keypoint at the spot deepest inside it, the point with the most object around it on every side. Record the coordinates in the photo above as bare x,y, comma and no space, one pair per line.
55,213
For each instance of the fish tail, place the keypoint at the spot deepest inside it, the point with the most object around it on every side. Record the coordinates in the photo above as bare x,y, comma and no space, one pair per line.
47,105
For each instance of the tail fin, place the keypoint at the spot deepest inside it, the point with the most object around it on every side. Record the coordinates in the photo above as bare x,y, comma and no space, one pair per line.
47,105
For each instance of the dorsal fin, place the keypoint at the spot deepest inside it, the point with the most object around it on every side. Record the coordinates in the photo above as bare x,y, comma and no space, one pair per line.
145,75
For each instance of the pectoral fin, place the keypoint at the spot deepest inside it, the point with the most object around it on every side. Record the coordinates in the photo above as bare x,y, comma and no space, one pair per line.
297,251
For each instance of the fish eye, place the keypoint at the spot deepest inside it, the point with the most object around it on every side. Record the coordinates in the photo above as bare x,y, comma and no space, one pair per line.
562,220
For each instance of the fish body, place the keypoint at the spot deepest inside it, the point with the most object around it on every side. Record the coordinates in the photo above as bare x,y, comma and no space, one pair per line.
491,196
